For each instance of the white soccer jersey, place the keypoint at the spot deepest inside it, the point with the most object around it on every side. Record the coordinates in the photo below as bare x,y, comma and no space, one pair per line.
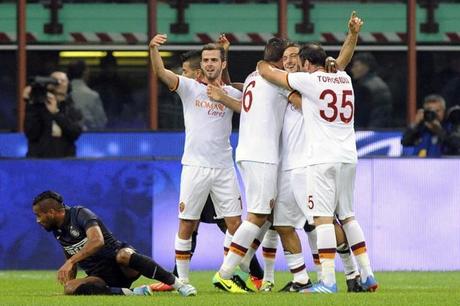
293,140
328,109
261,120
208,125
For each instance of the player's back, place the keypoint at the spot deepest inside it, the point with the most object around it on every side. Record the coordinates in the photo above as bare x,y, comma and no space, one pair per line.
328,109
261,120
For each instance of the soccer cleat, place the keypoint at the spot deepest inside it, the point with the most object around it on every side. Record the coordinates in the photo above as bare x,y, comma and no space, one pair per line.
370,284
228,285
142,290
257,282
321,288
244,281
354,285
267,286
295,287
187,290
161,287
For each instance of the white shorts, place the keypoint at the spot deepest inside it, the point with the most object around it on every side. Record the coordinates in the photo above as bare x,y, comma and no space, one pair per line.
291,203
196,183
330,190
259,181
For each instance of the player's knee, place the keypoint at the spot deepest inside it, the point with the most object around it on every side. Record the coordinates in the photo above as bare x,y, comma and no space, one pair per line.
233,224
123,256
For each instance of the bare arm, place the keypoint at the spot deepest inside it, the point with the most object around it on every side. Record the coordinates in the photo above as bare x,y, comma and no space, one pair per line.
218,94
349,45
238,85
223,41
295,99
273,75
92,246
168,77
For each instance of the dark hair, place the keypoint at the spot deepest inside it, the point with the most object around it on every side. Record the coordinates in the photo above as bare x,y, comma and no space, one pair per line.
274,49
193,57
367,59
76,69
292,44
314,53
49,194
213,46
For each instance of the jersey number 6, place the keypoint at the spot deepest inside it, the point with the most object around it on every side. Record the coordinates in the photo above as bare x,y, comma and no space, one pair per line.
247,96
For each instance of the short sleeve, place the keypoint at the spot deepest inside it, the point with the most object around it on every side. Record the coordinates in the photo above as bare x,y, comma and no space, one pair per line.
86,218
185,87
233,92
297,81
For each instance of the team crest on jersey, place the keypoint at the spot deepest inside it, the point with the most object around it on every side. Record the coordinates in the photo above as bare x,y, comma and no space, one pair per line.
74,232
181,206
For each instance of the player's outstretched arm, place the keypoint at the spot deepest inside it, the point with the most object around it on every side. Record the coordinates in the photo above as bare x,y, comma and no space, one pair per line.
218,94
92,246
348,48
273,75
166,76
225,43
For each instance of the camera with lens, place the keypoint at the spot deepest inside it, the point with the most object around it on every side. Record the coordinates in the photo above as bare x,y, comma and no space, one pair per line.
429,115
39,88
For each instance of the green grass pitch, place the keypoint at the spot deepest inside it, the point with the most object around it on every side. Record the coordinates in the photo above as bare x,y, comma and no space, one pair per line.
396,288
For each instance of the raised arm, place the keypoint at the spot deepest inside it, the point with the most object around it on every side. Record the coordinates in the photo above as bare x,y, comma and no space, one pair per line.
223,41
349,45
168,77
273,75
218,94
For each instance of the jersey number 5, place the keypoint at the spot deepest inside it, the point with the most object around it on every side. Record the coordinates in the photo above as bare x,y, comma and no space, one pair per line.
331,96
247,96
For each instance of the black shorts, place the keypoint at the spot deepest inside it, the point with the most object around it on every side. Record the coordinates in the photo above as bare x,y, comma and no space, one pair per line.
106,267
112,274
208,215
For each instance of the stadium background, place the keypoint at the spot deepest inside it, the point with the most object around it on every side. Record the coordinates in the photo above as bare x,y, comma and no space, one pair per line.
129,174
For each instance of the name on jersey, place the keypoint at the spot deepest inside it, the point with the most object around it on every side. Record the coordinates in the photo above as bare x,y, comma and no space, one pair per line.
75,248
332,80
214,109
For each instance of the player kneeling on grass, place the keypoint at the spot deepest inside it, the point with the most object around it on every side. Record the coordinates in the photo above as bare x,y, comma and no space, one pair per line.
111,265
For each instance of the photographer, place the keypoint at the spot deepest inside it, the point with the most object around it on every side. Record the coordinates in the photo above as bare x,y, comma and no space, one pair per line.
430,135
52,124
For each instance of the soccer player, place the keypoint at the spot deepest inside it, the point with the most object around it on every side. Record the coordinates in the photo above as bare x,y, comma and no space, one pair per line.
330,150
207,159
257,155
111,265
191,68
290,209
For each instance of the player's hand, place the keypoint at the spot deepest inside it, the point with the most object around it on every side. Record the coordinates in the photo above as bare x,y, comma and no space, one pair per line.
223,41
158,40
215,93
355,23
51,103
65,272
331,64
